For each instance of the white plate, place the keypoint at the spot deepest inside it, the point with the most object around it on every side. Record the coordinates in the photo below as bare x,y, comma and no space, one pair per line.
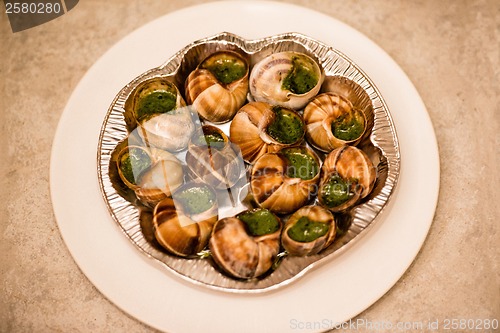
334,292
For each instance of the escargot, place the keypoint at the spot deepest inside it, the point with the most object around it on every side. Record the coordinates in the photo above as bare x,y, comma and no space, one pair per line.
284,181
132,162
160,114
211,157
308,231
246,246
183,223
348,175
259,128
289,79
153,174
332,121
218,87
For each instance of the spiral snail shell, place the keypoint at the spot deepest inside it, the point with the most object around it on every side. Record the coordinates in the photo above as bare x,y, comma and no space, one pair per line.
183,223
211,157
348,175
308,231
289,79
245,246
153,174
332,121
132,161
160,114
284,181
218,87
259,128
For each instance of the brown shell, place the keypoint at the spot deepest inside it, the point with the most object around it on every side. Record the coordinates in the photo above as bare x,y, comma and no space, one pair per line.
221,168
158,181
267,76
241,254
349,163
273,189
180,233
213,100
314,213
249,130
319,115
123,151
169,131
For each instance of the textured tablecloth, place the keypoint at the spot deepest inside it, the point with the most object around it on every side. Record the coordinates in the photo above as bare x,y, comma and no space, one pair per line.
450,51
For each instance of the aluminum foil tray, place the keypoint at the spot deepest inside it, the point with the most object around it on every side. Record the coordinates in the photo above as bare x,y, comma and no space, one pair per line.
342,75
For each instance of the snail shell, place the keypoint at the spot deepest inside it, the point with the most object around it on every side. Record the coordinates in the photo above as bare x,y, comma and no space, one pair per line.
182,224
211,157
241,253
153,174
313,220
218,87
348,175
132,161
289,79
160,114
282,185
257,128
332,121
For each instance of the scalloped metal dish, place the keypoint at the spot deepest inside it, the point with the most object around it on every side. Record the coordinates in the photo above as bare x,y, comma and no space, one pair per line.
382,146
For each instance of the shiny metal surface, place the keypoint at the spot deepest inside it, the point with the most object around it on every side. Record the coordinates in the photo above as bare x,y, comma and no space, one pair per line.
342,76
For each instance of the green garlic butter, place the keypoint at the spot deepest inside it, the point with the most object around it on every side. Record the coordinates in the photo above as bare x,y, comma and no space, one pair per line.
155,103
302,77
225,67
212,140
336,192
305,230
300,163
349,126
259,222
195,200
134,163
287,128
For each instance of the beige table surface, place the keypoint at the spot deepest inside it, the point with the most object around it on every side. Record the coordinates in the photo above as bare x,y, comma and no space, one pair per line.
450,51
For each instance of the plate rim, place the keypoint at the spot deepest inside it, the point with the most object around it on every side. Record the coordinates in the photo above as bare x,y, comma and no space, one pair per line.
109,131
66,120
